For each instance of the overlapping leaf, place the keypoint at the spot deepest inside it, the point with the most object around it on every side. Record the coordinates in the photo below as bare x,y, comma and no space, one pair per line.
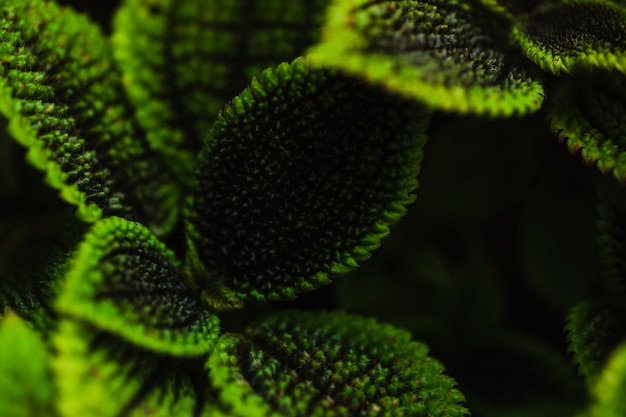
99,375
183,60
26,381
124,281
331,364
589,115
299,180
513,8
575,35
439,52
62,99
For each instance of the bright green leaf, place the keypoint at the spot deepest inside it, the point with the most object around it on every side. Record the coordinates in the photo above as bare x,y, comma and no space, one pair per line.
299,180
439,52
301,363
124,281
99,375
26,380
609,389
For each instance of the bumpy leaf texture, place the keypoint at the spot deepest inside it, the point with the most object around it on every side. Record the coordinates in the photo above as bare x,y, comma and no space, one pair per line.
299,180
99,375
62,99
330,364
26,380
440,52
574,35
124,281
593,329
183,60
589,115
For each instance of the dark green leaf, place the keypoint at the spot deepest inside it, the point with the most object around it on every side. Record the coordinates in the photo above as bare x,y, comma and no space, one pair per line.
26,380
99,375
331,364
184,59
439,52
62,99
123,280
575,35
589,115
299,180
514,8
593,331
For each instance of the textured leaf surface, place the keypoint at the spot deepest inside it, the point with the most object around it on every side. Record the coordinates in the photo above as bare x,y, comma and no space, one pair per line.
183,60
26,381
99,375
332,364
62,99
575,35
299,180
123,280
593,331
439,52
589,115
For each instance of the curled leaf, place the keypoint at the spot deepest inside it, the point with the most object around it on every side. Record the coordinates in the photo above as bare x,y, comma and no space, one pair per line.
439,52
124,281
183,60
331,364
61,98
589,115
574,35
99,375
298,182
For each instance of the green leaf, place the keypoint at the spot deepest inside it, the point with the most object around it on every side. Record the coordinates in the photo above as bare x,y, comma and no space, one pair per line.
574,35
593,331
62,99
439,52
513,8
589,115
99,375
299,180
26,380
124,281
609,389
299,363
183,60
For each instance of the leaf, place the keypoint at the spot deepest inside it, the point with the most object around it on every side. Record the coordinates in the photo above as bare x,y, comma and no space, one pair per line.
299,180
609,389
61,98
589,115
124,281
299,363
574,35
26,380
439,52
183,60
593,329
514,8
99,375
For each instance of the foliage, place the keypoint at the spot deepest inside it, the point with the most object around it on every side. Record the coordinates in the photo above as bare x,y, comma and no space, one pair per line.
191,192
